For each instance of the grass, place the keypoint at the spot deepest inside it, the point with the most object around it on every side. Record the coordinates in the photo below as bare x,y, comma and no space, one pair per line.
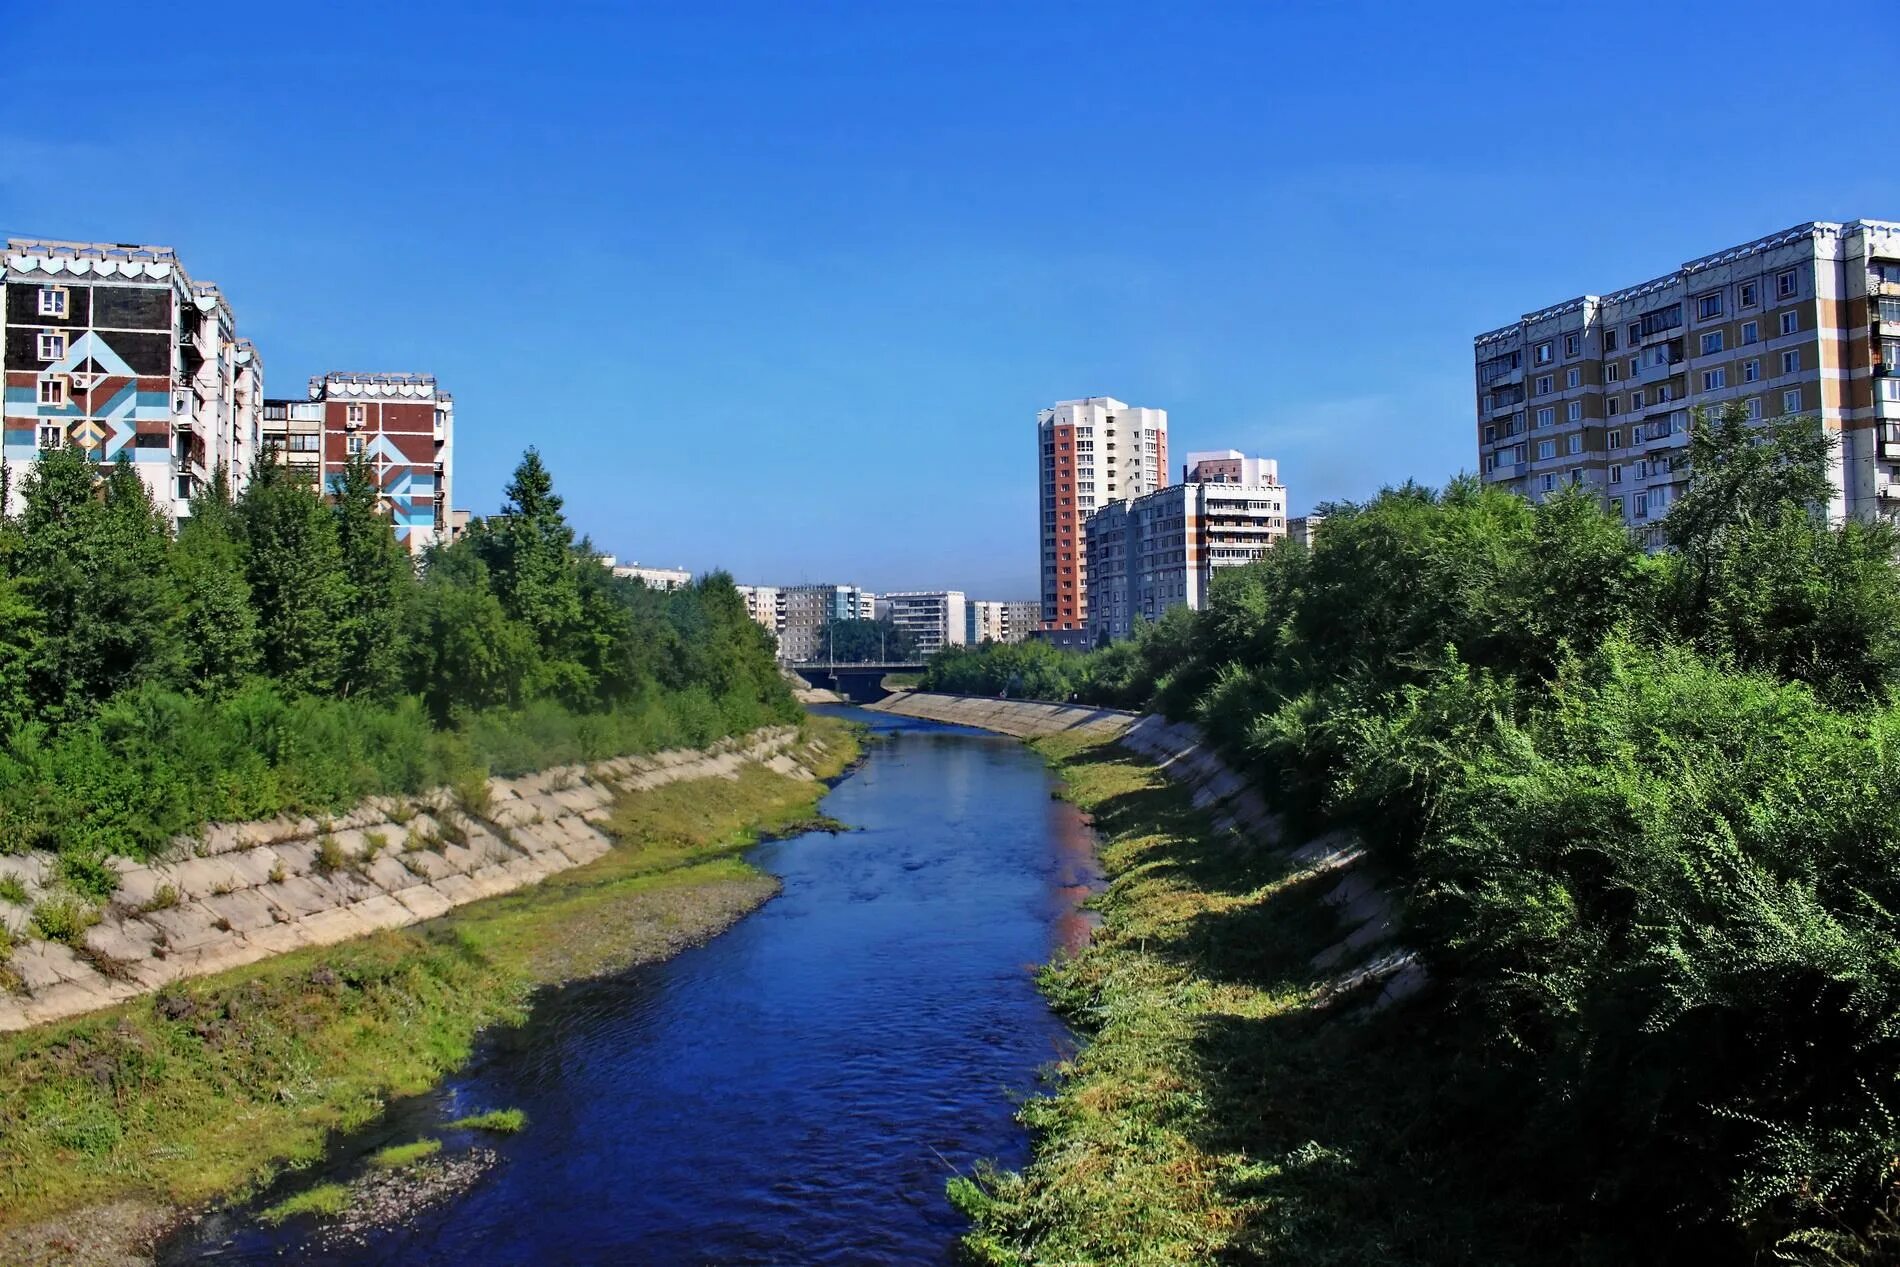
1216,1114
328,1198
163,898
396,1156
210,1087
499,1121
64,917
13,889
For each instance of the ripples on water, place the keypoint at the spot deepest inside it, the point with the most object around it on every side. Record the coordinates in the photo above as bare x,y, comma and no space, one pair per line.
797,1090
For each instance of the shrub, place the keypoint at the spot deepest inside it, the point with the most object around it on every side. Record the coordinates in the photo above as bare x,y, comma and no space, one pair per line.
64,917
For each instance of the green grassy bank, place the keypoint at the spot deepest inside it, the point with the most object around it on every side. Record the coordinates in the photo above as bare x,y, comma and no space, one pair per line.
1218,1112
208,1088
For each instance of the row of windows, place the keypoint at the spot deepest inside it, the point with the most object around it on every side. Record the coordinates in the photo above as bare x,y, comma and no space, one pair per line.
1708,305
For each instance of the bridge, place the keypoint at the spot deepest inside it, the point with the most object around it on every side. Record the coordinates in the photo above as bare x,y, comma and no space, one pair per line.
861,682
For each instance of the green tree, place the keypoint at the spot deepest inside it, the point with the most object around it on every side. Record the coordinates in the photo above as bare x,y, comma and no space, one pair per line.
463,651
93,559
295,567
376,575
219,623
529,550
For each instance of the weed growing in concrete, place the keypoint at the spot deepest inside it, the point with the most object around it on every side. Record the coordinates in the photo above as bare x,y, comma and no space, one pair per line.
277,872
401,812
330,855
399,1155
64,917
328,1198
163,898
501,1121
473,794
373,843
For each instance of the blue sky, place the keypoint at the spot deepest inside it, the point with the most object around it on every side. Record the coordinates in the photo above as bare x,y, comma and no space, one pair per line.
780,287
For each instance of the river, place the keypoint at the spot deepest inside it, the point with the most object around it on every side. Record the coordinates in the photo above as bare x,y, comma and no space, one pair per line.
795,1091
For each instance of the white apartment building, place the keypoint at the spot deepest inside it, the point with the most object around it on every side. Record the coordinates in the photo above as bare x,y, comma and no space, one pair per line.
935,619
1601,390
764,604
803,611
1089,452
1301,528
653,578
986,620
1160,550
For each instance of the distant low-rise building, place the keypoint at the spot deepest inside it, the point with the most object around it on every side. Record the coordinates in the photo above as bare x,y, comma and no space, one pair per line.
653,578
1150,553
986,620
1301,528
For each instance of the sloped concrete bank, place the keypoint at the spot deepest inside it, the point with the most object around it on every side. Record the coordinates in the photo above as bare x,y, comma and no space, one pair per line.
246,891
1367,954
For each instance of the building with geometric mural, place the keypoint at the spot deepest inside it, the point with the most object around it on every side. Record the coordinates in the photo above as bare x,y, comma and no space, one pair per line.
403,424
114,348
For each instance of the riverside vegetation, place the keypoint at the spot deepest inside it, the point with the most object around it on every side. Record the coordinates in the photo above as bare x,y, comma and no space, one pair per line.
1641,813
282,654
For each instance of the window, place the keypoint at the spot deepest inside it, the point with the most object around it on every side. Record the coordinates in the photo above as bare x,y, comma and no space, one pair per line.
1490,435
1751,332
1543,354
1570,345
1753,406
1711,342
1546,416
1574,444
1517,453
1616,473
1642,469
1573,412
355,415
1573,377
1790,322
1616,507
1642,505
1785,284
1546,449
1748,294
53,391
1635,333
1636,366
1610,405
52,345
1487,402
354,445
1890,311
1665,393
1550,483
1611,371
1791,361
1609,338
1751,369
1714,380
1576,475
1791,401
1544,384
52,435
1709,305
1636,400
55,301
305,443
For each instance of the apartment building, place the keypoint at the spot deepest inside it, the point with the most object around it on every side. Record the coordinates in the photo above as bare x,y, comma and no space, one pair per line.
1601,390
935,619
1088,452
764,604
986,620
404,424
114,348
1149,553
805,610
652,578
1301,528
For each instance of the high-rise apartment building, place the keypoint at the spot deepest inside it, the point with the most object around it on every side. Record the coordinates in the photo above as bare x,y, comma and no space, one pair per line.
934,619
764,604
1600,390
1160,550
986,620
1089,452
403,424
807,609
115,349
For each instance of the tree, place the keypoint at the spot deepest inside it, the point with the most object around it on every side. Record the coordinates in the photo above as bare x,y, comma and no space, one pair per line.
219,628
866,641
376,575
93,561
462,650
295,567
529,550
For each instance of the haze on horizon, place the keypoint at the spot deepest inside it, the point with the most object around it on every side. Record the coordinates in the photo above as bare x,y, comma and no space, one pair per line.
780,289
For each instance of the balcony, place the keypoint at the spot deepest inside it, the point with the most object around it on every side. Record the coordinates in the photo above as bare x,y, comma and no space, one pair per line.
1888,438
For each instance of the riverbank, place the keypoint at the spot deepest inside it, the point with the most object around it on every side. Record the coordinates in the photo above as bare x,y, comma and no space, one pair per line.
128,1117
1232,1103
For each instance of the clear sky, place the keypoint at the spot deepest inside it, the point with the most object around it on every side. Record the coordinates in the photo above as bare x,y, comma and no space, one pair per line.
779,287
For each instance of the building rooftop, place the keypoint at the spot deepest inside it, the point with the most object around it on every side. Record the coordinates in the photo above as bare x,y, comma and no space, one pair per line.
82,259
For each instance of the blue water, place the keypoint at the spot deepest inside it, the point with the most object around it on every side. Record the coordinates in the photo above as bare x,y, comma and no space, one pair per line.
797,1090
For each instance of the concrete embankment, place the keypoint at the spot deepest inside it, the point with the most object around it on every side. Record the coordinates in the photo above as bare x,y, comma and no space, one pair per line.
246,891
1368,916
